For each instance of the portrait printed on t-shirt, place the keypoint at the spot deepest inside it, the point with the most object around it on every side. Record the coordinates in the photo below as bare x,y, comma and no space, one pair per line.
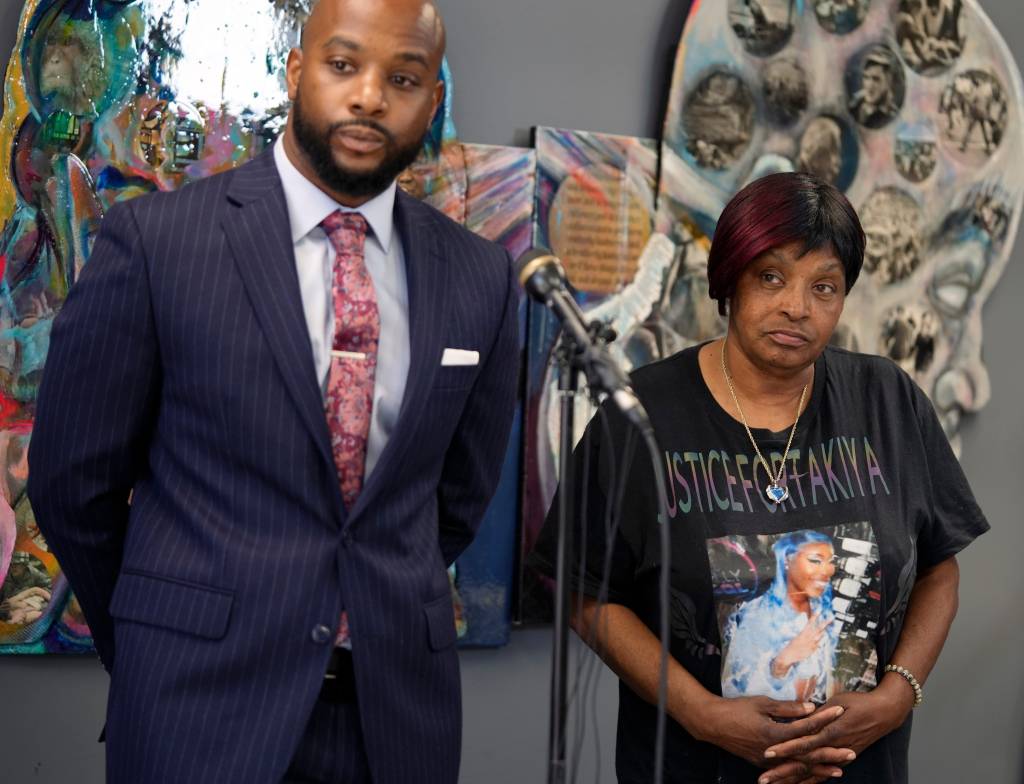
798,612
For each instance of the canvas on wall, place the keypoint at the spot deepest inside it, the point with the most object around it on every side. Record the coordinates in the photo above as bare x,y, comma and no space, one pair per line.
595,211
499,206
106,100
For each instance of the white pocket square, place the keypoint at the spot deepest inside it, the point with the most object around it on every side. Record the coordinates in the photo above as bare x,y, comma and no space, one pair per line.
459,356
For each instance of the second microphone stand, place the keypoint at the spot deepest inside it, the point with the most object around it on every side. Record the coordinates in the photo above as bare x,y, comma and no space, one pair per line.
571,359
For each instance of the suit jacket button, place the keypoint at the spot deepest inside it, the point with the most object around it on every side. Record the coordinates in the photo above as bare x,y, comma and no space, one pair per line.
346,540
320,634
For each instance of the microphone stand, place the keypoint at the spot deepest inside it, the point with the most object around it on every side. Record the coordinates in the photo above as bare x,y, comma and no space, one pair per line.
572,358
583,347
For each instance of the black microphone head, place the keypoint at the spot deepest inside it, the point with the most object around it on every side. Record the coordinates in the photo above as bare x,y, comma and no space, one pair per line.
540,273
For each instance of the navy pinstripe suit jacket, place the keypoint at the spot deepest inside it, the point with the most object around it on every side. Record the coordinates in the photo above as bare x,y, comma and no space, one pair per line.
180,368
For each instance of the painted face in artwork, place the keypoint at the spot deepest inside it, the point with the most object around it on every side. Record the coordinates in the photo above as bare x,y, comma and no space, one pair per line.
876,84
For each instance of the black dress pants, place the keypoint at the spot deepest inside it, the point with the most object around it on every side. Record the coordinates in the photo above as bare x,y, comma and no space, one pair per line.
332,750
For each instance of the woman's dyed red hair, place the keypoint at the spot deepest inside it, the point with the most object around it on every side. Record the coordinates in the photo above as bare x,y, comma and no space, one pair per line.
778,210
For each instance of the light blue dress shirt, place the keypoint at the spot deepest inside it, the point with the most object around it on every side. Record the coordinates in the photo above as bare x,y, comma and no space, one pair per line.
385,261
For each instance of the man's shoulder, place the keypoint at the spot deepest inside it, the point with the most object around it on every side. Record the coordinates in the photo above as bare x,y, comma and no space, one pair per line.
206,191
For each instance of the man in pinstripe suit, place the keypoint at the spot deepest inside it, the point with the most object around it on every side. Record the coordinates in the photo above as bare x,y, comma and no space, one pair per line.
184,471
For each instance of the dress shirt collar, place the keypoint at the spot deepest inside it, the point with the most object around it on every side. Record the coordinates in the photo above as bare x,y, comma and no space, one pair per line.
308,205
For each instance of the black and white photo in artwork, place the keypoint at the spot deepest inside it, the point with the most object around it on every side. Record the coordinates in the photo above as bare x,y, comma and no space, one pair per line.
764,26
875,86
908,337
841,16
786,95
915,156
892,226
930,34
974,112
821,149
718,120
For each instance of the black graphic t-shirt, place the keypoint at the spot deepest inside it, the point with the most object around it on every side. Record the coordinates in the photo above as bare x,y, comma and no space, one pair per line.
799,600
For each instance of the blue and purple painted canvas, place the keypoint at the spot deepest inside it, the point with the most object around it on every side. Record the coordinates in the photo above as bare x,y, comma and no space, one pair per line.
595,210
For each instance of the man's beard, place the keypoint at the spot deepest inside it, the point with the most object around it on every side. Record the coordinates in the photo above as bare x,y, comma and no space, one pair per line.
316,145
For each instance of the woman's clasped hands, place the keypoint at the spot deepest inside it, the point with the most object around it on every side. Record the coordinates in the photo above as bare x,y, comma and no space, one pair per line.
764,731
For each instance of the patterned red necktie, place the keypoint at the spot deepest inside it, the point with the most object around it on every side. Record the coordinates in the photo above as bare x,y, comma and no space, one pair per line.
349,399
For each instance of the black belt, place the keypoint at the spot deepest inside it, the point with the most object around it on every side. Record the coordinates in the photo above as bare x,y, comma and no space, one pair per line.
340,678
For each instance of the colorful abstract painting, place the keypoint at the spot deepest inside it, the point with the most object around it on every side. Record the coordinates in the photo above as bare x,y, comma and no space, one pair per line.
106,100
595,211
499,206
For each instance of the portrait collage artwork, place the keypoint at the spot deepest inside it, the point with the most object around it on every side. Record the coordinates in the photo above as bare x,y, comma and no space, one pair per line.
912,107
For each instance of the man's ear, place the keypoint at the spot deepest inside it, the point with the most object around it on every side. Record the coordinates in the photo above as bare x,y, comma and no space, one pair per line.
293,71
439,89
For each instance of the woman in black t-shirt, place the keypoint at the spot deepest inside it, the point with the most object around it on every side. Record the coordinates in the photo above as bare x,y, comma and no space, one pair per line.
815,511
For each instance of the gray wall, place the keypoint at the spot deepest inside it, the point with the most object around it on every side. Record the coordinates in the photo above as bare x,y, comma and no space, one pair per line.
603,65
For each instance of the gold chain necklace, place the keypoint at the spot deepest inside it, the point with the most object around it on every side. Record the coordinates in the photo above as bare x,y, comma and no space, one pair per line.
775,492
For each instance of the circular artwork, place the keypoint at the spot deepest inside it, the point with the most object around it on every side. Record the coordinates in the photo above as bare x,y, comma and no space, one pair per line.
930,98
973,113
588,215
915,151
841,16
828,149
718,120
875,86
764,26
784,85
892,227
930,33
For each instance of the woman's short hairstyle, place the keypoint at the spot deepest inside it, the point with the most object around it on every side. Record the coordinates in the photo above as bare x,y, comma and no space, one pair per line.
778,210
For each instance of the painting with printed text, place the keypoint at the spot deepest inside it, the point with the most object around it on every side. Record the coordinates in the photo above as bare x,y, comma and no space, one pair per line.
594,208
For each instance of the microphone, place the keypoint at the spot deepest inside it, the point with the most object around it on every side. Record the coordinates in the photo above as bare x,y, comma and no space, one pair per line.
543,278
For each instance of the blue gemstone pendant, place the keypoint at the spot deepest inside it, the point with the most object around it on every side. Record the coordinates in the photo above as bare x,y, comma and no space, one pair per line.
776,493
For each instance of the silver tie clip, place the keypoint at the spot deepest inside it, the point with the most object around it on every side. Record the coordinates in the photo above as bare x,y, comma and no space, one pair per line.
348,355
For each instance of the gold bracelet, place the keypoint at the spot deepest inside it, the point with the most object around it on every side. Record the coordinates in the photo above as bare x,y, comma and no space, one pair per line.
909,676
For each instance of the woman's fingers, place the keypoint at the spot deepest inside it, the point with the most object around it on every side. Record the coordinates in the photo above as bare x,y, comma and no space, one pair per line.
796,772
786,709
810,725
786,773
829,755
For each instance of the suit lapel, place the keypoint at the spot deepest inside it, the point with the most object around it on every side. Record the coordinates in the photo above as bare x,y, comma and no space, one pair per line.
427,278
260,239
